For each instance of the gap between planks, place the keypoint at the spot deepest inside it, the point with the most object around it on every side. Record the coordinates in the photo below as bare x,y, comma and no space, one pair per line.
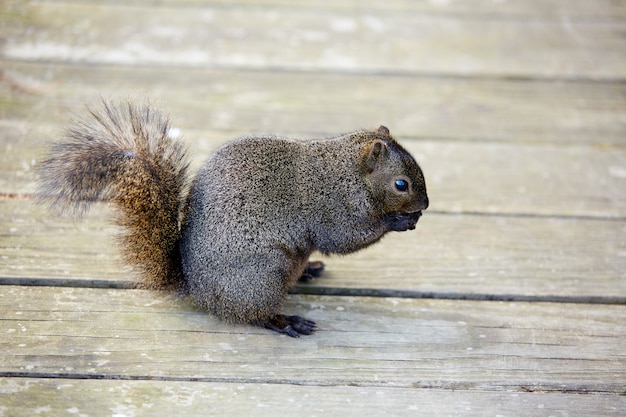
324,290
448,385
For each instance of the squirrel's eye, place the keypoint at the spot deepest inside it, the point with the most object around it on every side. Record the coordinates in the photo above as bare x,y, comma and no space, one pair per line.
401,185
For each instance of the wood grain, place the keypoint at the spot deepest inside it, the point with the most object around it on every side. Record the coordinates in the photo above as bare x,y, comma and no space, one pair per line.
319,39
508,179
361,342
155,398
599,11
515,110
453,254
305,104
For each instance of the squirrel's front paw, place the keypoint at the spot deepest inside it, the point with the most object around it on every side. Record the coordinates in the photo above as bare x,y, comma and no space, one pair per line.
293,326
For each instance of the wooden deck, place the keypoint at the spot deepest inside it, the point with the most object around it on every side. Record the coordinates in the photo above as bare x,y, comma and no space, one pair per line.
508,300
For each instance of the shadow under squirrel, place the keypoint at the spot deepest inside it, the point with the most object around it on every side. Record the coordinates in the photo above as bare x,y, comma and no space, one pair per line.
239,235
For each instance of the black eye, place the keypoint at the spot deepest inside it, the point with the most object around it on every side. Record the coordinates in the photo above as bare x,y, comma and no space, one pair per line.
401,185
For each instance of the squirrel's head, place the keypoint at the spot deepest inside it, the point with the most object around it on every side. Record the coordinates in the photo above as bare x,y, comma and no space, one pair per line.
396,181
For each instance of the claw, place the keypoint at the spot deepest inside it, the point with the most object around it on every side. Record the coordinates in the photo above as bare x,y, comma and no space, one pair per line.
293,326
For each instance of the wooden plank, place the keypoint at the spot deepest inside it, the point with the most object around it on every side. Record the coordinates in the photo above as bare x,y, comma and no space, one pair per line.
598,11
319,40
493,346
321,104
524,179
492,255
448,254
508,178
514,179
24,397
35,243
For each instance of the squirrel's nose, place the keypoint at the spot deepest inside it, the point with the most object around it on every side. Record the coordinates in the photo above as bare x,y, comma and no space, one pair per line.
423,204
417,205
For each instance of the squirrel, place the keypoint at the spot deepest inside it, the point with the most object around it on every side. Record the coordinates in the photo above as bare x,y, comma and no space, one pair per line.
239,234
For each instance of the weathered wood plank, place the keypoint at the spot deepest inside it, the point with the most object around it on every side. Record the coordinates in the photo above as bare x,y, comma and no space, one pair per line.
320,39
25,397
517,178
361,342
548,180
463,254
493,255
34,243
545,180
598,11
320,104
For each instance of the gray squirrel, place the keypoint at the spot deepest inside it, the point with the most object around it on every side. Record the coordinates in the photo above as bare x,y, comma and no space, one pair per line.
239,235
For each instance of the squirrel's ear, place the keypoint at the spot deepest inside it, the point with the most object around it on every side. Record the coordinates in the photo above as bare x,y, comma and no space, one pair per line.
383,129
374,154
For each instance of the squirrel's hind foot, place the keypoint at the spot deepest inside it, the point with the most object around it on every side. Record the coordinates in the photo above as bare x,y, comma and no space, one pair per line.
313,270
293,326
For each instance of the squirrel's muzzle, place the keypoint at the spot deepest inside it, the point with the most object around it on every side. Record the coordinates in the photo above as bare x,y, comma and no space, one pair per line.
400,222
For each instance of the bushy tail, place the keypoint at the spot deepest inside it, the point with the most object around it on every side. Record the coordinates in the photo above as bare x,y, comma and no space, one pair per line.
123,152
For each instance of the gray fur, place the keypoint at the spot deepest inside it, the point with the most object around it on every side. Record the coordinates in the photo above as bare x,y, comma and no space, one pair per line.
255,212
